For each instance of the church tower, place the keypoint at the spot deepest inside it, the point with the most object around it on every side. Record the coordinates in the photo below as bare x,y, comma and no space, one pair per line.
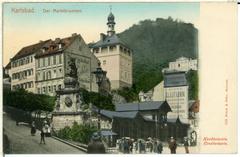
115,56
111,25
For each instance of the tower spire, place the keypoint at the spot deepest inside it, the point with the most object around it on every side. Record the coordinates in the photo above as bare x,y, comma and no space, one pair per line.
111,23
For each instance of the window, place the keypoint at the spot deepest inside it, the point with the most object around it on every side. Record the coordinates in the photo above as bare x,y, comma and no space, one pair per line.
25,73
54,88
39,92
104,62
31,59
49,61
38,61
49,88
44,89
60,59
49,75
54,73
38,76
27,60
43,75
29,84
43,62
59,86
54,60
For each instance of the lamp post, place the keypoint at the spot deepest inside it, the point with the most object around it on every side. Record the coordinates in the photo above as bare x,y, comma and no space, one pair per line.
100,74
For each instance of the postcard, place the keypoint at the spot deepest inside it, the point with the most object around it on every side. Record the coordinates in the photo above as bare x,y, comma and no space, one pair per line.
119,78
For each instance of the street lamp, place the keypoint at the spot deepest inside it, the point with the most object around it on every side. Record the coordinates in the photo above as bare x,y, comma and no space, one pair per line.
100,74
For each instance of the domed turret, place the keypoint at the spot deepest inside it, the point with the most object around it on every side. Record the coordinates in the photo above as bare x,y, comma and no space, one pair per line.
111,18
111,24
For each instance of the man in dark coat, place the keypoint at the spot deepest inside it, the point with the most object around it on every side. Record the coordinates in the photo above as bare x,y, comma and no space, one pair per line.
42,137
96,146
159,147
172,145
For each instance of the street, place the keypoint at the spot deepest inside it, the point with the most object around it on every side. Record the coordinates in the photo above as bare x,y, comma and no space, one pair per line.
21,141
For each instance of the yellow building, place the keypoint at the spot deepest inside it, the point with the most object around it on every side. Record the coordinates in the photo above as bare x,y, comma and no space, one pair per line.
115,57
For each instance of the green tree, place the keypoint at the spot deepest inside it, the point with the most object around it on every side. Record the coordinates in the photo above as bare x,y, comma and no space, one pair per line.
192,77
101,101
28,101
78,132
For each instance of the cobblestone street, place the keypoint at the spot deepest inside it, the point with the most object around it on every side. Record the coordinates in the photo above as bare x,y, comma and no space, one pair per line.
21,141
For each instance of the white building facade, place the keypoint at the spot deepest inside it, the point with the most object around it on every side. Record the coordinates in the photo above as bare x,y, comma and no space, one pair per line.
115,57
176,94
22,71
182,64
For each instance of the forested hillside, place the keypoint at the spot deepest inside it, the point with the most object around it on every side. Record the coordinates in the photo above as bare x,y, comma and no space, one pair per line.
155,43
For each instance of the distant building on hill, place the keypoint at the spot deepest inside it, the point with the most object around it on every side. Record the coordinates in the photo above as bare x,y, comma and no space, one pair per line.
182,64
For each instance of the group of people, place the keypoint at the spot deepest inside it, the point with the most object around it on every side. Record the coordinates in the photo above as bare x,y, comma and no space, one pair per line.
127,145
42,133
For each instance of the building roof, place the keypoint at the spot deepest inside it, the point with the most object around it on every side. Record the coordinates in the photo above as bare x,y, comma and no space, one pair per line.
107,41
143,106
175,79
29,50
52,47
107,133
8,66
112,114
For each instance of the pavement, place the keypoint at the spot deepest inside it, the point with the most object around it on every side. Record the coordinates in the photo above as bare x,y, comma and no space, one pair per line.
21,141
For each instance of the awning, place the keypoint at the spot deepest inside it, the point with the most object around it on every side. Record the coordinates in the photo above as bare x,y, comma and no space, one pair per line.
107,133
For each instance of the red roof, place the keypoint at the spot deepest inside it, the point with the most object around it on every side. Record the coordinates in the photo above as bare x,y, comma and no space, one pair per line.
28,50
52,47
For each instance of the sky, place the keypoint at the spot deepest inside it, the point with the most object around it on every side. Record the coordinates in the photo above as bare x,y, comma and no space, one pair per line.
23,29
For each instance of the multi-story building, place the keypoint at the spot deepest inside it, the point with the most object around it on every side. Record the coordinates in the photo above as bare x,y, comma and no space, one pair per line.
182,64
52,64
115,56
176,94
22,70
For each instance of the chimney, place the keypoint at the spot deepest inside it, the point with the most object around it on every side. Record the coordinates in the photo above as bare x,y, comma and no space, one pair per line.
40,41
102,36
60,46
74,34
57,40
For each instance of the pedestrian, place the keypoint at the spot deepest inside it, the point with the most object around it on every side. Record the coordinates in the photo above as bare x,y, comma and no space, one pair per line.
150,146
33,128
125,146
130,143
136,146
155,147
159,148
186,145
42,137
96,146
172,145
